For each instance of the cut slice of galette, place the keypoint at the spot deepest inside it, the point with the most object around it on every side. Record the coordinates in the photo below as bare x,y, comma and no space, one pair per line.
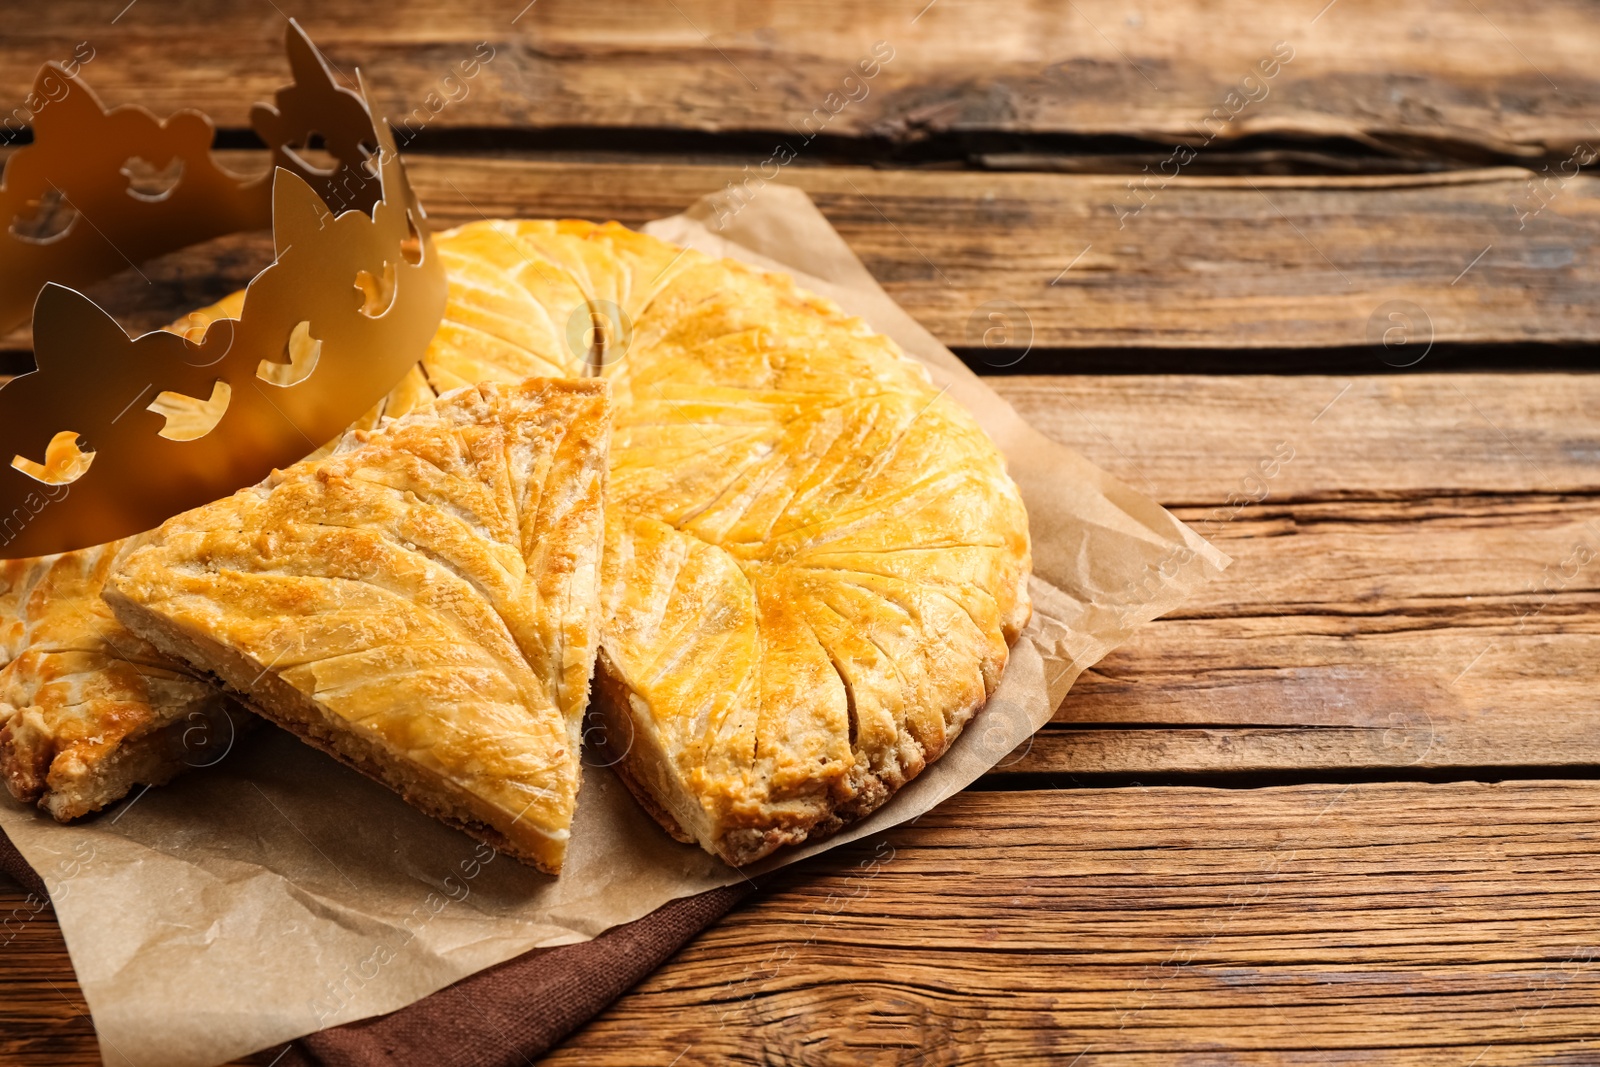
422,603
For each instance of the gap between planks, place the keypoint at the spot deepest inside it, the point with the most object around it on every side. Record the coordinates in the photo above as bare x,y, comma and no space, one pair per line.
1486,80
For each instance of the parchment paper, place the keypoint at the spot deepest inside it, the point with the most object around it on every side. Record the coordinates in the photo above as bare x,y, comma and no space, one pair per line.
277,892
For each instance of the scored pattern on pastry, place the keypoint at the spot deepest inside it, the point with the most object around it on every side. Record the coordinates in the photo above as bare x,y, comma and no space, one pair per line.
88,711
422,603
815,562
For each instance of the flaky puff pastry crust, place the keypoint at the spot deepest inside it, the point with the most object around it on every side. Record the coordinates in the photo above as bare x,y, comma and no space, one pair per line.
422,603
815,562
88,710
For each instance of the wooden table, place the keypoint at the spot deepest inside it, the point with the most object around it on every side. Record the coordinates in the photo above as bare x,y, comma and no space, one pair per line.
1341,808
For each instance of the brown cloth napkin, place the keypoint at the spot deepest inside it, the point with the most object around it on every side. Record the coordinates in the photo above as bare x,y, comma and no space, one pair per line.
504,1016
12,863
510,1014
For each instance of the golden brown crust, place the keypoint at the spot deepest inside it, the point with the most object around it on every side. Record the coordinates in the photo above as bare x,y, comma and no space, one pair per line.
815,562
282,704
422,603
87,710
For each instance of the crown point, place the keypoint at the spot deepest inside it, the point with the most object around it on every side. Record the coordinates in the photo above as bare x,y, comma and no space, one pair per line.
64,304
297,210
306,61
62,97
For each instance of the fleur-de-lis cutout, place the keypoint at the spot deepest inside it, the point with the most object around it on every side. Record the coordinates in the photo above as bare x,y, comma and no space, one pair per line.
113,434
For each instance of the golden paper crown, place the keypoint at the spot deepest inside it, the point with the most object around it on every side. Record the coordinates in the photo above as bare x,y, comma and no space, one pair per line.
348,305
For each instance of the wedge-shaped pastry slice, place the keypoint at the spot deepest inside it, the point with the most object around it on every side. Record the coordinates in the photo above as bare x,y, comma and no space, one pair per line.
815,561
422,604
87,710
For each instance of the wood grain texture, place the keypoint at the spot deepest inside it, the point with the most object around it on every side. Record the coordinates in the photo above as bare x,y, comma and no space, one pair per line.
43,1017
1377,923
1406,598
1489,78
1269,264
1208,262
1389,923
1416,588
1190,440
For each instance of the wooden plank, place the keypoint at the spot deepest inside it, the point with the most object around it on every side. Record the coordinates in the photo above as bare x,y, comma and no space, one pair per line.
1489,78
1210,262
1270,669
1273,264
43,1017
1417,589
1405,924
1379,923
1416,440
